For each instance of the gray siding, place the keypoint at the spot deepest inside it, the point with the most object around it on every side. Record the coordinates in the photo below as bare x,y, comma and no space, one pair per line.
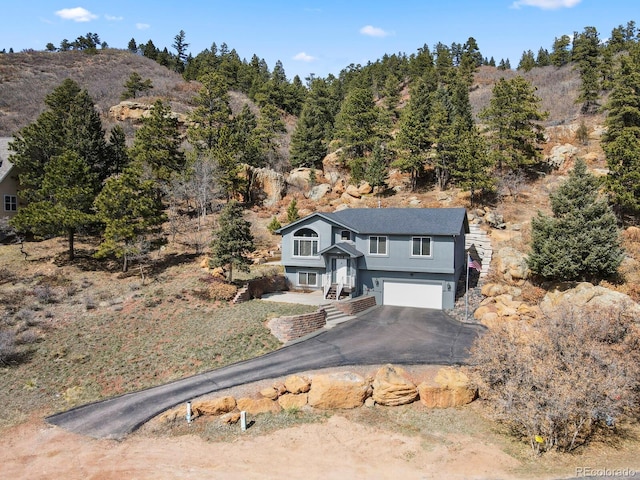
399,258
325,239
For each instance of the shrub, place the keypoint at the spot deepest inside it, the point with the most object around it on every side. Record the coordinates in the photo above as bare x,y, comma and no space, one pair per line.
219,290
557,381
8,350
274,225
44,294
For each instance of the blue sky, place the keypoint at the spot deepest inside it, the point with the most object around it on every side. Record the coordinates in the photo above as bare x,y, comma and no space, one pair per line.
313,36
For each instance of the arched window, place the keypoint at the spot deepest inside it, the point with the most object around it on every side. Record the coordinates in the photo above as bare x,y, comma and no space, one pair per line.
305,243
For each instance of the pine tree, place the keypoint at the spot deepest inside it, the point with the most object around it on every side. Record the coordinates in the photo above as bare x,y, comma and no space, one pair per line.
233,240
130,211
527,61
473,165
314,128
135,84
560,52
356,124
158,144
512,117
62,204
581,240
292,211
621,143
377,169
414,138
586,55
118,153
211,112
181,51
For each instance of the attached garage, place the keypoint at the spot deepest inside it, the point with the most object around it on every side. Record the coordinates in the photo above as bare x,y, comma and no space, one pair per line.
412,294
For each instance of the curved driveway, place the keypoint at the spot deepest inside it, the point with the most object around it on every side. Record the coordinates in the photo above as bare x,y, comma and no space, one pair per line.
382,335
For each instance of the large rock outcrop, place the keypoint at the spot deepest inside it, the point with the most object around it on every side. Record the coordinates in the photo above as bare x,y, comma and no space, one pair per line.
585,296
266,187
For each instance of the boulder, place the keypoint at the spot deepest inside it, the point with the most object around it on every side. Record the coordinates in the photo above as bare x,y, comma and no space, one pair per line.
450,388
560,154
136,111
338,390
365,188
392,387
217,406
270,392
585,296
339,187
353,191
512,264
297,384
255,406
289,400
319,191
346,198
230,418
301,178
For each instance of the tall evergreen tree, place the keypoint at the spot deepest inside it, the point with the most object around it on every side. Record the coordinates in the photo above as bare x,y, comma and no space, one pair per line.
135,84
586,55
581,240
513,118
233,240
118,153
130,211
621,142
527,61
211,112
560,52
181,51
62,203
414,138
356,124
158,144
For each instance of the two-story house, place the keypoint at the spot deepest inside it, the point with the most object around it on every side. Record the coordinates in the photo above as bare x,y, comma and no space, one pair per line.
403,256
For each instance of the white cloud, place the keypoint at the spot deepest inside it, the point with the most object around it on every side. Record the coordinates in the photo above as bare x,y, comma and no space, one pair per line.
373,31
546,4
113,18
77,14
142,26
304,57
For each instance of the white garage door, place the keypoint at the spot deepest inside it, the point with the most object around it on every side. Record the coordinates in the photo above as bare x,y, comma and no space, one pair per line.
404,294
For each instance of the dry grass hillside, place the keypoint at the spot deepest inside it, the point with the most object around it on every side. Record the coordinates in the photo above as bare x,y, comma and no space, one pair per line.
26,78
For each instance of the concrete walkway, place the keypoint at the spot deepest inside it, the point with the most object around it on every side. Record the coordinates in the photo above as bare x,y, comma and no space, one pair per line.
382,335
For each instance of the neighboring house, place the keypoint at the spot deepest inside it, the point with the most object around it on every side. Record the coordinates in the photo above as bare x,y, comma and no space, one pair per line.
8,181
403,256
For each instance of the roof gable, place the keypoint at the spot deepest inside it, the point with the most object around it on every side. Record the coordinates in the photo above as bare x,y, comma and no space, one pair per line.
5,164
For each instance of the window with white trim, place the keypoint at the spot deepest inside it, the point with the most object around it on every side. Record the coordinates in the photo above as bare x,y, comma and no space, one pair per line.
421,246
308,279
305,243
10,203
377,245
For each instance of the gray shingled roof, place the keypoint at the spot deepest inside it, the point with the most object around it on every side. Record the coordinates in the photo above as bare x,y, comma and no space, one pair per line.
402,221
347,248
5,164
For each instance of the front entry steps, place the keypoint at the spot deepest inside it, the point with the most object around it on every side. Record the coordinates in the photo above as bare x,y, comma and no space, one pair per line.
335,316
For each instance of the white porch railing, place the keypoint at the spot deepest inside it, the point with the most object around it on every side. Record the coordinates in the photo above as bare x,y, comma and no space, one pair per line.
326,284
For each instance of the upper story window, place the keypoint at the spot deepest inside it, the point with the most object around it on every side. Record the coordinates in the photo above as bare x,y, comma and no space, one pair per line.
421,247
305,243
377,245
10,203
345,235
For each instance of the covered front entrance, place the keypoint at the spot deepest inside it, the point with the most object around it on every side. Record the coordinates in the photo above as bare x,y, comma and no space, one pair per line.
342,267
412,294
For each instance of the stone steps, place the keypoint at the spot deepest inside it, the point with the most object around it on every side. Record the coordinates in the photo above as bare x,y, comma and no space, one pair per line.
480,241
335,316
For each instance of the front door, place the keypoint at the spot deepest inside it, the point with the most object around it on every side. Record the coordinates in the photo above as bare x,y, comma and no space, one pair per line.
342,270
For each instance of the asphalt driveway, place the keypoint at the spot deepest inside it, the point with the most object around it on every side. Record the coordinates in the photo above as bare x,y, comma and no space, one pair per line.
397,335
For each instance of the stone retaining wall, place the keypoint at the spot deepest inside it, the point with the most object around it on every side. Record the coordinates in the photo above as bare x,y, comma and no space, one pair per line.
291,327
357,305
